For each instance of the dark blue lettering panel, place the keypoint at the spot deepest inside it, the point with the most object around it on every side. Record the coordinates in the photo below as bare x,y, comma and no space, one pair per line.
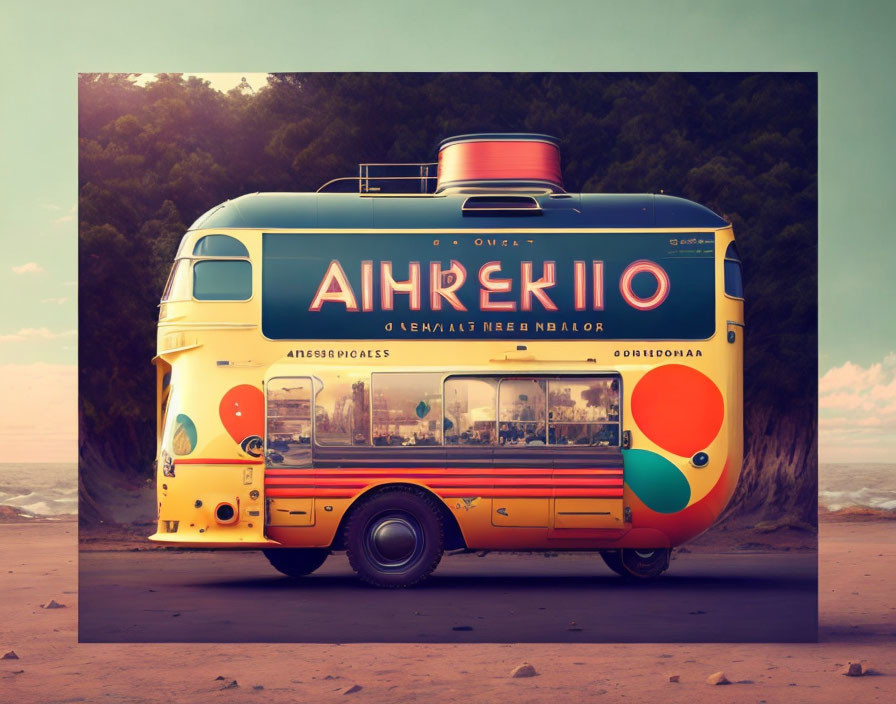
613,286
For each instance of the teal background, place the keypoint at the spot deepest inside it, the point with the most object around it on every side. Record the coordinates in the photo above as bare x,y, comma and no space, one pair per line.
44,45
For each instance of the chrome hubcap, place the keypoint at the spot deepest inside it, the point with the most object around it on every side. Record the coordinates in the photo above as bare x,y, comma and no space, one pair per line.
394,541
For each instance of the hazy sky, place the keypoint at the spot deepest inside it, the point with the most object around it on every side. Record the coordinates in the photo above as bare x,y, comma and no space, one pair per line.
848,44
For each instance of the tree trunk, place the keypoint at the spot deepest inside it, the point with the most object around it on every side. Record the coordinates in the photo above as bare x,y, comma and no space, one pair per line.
119,458
779,481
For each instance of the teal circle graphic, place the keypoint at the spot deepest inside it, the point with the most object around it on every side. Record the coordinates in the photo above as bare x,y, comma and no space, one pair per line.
184,435
656,481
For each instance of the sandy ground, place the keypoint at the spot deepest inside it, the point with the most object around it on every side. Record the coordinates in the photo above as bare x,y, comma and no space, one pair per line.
858,623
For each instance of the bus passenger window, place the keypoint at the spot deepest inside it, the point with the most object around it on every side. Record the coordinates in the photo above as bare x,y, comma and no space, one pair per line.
583,411
222,280
521,418
470,411
407,409
220,246
734,282
342,411
289,422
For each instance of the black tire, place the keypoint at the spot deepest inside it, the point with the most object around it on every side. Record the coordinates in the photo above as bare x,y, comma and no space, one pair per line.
395,539
296,562
643,564
613,558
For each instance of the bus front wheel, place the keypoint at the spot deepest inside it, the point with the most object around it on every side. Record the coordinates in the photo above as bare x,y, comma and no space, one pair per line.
395,539
637,563
296,562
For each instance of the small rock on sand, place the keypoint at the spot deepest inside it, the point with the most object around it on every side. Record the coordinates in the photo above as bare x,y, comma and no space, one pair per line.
675,678
717,678
11,655
854,669
233,684
53,604
524,670
351,690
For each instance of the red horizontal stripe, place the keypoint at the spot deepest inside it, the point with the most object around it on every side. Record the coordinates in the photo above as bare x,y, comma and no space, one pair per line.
607,493
456,481
428,472
533,493
197,460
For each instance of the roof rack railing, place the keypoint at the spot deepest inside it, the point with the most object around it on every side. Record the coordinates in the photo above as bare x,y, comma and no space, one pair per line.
391,179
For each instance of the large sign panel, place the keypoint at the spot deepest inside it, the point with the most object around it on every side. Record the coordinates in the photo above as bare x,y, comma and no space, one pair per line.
563,286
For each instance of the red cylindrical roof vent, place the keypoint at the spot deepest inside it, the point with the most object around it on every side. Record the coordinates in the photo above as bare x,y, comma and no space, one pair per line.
499,161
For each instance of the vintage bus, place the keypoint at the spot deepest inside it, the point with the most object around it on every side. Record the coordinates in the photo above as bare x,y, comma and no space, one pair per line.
450,356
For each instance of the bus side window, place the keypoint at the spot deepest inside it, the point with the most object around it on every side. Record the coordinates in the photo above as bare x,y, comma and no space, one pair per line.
342,410
220,246
289,422
583,411
219,280
734,282
407,409
470,411
521,412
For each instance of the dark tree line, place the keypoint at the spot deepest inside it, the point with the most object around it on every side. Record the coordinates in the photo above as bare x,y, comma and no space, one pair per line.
152,159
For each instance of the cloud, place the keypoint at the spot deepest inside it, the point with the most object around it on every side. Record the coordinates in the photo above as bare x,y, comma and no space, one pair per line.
63,218
26,334
28,268
857,412
850,376
60,301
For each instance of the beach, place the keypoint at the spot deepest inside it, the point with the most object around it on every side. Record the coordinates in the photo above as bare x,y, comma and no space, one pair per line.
857,624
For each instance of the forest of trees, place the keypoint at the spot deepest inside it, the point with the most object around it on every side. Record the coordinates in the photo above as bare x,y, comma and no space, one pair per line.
153,158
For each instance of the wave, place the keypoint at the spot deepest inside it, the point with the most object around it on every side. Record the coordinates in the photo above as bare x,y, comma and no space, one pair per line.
868,497
48,503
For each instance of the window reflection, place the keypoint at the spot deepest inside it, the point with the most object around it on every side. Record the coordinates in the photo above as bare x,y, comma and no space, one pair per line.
522,412
407,409
583,411
178,286
342,411
289,422
470,411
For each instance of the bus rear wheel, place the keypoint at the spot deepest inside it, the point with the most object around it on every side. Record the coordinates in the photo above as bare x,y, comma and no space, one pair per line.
395,539
296,562
637,563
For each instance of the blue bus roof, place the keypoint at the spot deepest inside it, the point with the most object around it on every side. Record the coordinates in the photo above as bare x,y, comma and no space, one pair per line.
354,211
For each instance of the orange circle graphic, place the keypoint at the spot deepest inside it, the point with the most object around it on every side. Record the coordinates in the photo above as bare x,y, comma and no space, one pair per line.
678,408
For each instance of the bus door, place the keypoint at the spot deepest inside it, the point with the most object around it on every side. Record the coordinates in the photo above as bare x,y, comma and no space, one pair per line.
584,433
288,476
522,463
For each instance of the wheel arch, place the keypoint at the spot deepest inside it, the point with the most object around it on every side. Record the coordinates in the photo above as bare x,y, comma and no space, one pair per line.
454,538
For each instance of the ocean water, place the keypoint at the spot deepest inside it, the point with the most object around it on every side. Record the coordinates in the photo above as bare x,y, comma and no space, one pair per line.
861,484
40,489
52,489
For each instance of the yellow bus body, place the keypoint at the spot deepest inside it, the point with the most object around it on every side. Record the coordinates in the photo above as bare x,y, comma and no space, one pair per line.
206,348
